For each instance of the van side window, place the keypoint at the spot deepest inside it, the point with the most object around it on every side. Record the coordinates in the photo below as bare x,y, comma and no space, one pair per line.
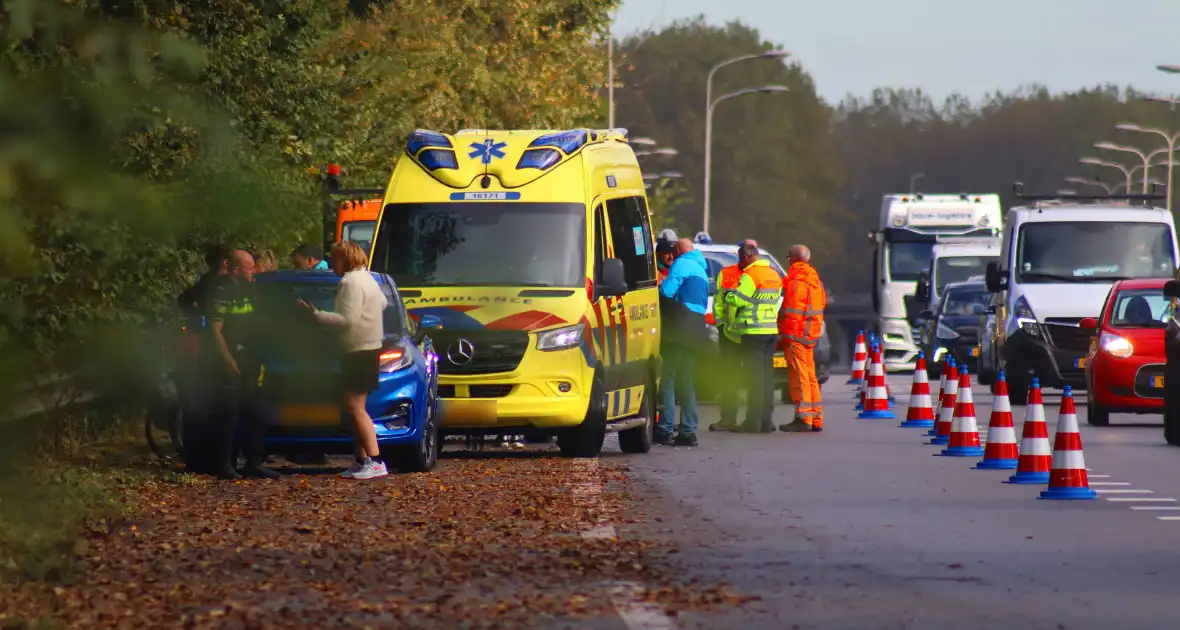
632,239
599,235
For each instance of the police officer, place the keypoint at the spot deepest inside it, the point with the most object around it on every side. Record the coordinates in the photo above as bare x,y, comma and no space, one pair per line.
234,379
752,314
728,346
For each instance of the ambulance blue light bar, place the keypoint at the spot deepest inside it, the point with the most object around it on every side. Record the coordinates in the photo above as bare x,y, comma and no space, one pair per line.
435,159
567,141
540,159
421,138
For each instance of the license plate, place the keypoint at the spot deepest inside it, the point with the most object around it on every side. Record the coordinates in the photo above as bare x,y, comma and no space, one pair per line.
779,362
308,415
1157,382
975,351
1079,363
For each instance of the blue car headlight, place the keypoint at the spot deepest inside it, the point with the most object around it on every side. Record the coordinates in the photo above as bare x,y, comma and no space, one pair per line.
945,332
561,338
394,359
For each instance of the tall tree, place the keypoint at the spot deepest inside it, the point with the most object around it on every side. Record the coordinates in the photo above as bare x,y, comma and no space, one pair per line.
776,173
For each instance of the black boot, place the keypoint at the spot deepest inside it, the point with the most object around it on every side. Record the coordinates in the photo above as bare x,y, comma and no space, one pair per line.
258,471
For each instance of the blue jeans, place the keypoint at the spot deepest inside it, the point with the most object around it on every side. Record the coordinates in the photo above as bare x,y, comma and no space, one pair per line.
676,383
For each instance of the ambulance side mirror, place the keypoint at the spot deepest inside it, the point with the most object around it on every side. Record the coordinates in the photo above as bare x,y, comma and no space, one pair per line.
611,279
922,291
994,278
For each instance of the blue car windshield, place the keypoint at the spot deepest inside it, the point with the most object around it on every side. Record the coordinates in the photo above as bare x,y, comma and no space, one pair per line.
280,299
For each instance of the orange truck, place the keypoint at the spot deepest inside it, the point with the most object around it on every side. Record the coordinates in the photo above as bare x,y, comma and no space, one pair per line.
352,219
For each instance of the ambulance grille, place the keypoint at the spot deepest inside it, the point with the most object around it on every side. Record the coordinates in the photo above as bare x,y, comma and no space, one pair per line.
484,351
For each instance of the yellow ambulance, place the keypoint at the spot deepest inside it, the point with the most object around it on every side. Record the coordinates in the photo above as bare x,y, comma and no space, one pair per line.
532,254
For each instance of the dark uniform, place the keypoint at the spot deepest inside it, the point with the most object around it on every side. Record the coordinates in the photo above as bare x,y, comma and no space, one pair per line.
234,398
192,373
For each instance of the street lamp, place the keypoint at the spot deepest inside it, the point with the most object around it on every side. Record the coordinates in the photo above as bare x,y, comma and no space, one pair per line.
1169,69
914,180
1171,139
765,89
659,151
1092,182
1096,161
642,142
1146,157
709,103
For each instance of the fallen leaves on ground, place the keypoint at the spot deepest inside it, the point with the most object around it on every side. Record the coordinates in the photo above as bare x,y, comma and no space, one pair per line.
478,543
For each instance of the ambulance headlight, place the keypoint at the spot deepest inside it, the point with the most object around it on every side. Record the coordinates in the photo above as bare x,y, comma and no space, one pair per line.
561,338
984,221
898,220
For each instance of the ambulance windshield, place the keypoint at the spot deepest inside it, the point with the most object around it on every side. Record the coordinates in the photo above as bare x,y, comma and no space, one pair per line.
483,244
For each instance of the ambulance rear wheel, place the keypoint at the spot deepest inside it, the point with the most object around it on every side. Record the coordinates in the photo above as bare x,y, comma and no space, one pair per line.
585,440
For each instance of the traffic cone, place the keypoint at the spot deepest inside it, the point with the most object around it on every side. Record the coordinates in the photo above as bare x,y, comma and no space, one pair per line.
859,354
864,385
1068,478
1001,452
876,406
946,410
964,439
920,413
941,390
1035,456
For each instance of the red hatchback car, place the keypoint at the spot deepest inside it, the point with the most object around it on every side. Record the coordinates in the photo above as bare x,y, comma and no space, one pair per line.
1125,365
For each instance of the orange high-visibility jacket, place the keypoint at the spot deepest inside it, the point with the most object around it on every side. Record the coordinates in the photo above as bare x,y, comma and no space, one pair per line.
802,315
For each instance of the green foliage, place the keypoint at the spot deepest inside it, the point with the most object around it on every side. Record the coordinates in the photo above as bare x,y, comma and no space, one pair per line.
776,173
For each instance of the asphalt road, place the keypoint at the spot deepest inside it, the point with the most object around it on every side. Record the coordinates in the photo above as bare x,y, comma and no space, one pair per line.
862,527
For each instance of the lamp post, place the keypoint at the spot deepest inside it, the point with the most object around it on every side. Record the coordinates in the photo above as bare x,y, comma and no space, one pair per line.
1097,161
1092,182
709,103
1146,157
765,89
1171,139
914,180
1169,69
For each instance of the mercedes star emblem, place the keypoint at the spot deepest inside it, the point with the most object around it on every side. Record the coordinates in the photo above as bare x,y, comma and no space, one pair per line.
461,352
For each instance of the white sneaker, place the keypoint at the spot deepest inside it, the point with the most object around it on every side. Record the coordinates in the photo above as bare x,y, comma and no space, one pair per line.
352,470
371,470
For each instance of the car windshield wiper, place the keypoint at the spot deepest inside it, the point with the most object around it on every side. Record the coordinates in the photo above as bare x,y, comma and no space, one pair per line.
1052,277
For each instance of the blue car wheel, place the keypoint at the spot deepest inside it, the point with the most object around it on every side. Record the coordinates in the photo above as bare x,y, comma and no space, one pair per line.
421,457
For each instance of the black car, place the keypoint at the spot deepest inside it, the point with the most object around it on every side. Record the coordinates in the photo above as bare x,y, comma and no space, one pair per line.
1172,369
954,329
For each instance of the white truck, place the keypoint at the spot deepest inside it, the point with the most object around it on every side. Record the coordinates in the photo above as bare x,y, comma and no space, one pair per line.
1059,259
953,259
909,228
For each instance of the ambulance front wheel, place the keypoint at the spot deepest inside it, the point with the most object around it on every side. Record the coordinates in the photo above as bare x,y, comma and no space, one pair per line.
585,440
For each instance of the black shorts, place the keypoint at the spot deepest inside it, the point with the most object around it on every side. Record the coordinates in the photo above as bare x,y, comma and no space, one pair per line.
358,371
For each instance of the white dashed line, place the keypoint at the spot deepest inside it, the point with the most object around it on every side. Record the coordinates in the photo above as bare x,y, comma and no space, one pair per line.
1125,491
1098,476
1109,483
627,597
1155,507
1129,499
1168,518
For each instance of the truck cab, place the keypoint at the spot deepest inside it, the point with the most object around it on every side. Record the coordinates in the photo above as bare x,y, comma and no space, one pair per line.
909,228
1059,258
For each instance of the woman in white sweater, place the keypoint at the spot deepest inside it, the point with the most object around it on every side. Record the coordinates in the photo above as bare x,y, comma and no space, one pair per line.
359,317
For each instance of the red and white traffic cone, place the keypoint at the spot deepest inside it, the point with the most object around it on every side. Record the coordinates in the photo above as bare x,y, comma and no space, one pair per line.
859,355
920,413
941,391
1002,452
964,439
876,404
1068,479
1036,457
946,409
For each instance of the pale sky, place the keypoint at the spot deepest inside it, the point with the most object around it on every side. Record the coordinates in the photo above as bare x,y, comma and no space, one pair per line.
944,46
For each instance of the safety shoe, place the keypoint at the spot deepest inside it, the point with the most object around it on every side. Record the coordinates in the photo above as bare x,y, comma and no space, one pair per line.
226,472
746,427
685,440
258,471
796,426
723,426
663,440
816,429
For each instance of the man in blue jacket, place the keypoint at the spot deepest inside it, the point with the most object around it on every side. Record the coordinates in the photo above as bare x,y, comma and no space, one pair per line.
684,295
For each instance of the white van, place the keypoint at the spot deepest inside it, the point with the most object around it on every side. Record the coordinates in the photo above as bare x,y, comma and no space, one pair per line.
1057,263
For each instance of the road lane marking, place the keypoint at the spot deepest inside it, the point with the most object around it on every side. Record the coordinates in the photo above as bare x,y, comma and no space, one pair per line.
1129,499
636,613
1169,518
1099,476
1109,483
1125,491
1155,507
